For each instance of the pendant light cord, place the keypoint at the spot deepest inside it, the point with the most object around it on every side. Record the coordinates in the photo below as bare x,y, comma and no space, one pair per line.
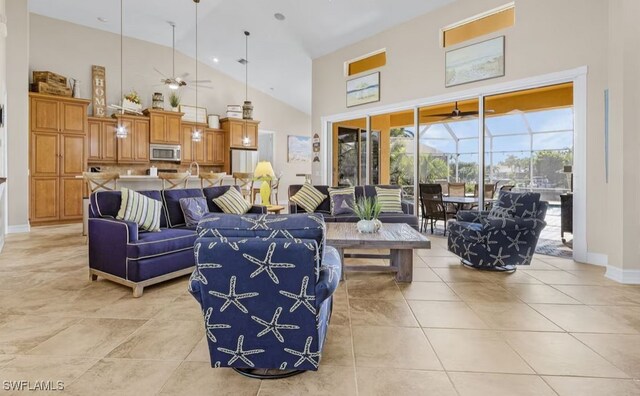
246,66
196,81
173,35
121,56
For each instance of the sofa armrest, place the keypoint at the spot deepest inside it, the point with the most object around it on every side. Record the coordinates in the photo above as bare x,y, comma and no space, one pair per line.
472,216
330,274
408,207
110,227
259,209
517,224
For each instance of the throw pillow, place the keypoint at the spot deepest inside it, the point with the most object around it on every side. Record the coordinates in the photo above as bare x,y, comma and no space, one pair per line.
308,198
390,199
140,209
232,202
342,200
193,209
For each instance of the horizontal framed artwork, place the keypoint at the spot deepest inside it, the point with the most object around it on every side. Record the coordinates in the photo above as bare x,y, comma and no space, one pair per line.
362,90
475,62
194,114
298,148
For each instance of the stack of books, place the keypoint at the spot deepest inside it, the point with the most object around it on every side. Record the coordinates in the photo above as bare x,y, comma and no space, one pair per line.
234,111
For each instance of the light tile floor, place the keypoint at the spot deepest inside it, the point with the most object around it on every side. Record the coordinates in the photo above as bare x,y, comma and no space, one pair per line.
554,328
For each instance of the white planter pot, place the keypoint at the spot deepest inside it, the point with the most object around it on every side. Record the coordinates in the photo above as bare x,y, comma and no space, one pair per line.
368,226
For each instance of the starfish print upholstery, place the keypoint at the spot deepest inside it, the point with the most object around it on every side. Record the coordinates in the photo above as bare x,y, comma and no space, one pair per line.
266,265
233,297
273,326
305,354
301,298
240,354
212,326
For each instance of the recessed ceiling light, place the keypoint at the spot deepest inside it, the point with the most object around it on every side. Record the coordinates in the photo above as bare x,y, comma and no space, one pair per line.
279,16
215,60
272,89
242,61
103,20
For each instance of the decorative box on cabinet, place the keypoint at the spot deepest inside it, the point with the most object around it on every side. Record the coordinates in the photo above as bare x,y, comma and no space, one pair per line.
239,130
134,149
102,141
58,153
165,126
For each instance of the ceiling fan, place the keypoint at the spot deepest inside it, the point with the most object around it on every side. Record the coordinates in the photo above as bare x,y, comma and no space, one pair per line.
456,114
176,82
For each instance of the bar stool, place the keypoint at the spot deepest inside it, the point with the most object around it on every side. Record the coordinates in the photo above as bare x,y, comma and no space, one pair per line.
211,179
96,181
172,181
245,182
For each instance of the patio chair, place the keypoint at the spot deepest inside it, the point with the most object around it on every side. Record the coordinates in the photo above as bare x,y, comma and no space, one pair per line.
457,189
432,206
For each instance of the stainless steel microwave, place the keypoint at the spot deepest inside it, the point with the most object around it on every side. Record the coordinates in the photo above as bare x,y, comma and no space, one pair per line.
165,152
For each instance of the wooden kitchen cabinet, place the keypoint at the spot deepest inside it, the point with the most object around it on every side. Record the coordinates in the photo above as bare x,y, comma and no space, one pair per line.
241,130
165,127
193,151
57,155
102,141
134,149
215,147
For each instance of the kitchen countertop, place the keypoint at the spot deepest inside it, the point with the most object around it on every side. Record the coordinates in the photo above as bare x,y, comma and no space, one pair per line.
151,178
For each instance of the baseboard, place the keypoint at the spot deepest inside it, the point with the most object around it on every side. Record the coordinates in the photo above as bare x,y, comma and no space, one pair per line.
598,259
18,229
628,277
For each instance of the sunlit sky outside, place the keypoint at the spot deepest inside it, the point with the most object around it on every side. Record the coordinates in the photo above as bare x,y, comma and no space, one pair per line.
511,134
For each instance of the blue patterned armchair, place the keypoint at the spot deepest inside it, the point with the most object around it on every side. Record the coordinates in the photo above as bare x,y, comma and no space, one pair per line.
265,285
502,238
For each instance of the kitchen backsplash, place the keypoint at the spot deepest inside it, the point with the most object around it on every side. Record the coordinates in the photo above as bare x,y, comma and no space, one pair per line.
141,169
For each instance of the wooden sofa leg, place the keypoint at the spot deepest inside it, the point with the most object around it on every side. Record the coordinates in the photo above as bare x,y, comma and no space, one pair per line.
93,277
137,291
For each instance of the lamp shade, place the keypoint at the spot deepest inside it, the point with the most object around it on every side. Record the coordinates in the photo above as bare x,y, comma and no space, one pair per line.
263,169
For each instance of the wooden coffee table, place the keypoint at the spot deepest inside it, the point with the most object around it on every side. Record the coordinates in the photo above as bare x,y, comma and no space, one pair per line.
400,239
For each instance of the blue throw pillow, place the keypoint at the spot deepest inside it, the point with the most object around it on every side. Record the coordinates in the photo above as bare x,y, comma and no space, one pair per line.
193,210
342,200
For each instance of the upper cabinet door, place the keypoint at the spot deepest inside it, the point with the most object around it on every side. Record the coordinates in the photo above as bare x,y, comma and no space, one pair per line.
218,148
108,142
158,128
72,155
126,145
186,144
236,132
95,140
141,142
72,117
45,115
251,132
45,154
173,129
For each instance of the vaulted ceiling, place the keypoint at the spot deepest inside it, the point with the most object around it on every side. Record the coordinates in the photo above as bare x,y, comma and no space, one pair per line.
280,52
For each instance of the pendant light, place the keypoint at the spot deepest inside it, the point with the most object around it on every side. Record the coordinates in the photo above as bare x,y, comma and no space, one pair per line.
247,108
196,135
121,131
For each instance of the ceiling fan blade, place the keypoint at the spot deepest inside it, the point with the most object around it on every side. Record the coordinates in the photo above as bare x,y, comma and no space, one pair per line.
200,81
438,115
184,75
160,73
468,113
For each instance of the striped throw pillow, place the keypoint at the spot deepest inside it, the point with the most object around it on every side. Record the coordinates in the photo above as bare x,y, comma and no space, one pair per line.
390,199
308,198
342,200
140,209
232,202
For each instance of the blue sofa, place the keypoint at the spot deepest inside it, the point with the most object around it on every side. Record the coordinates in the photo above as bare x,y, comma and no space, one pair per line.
119,252
408,216
265,285
499,243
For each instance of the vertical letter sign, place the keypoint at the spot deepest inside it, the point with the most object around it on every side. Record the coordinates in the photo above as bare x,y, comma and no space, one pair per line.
99,91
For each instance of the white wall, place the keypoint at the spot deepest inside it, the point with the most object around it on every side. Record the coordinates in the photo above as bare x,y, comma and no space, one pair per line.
549,36
3,131
70,50
18,115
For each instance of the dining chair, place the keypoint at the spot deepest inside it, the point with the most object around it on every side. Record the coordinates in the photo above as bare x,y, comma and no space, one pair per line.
171,181
244,181
457,189
489,191
211,179
96,181
432,206
507,187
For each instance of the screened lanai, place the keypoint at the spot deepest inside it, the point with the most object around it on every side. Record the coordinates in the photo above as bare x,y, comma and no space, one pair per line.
532,151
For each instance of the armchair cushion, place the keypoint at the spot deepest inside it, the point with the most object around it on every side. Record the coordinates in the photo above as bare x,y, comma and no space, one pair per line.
169,240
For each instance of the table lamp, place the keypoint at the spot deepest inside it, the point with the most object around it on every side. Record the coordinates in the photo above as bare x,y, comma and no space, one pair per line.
264,172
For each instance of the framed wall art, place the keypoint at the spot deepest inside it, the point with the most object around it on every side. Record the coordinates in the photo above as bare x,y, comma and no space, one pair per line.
362,90
475,62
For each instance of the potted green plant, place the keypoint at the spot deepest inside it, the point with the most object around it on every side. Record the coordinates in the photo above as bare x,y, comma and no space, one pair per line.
174,101
367,210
